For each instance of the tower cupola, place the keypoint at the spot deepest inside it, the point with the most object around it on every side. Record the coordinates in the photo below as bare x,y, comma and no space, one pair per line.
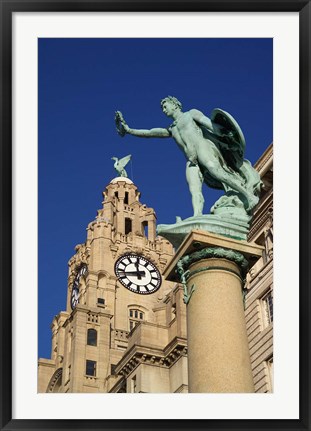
122,208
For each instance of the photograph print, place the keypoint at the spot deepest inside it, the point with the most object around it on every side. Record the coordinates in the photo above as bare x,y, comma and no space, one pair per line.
155,215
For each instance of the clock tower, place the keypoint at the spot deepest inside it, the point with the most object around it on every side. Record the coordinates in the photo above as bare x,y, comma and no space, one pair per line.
124,327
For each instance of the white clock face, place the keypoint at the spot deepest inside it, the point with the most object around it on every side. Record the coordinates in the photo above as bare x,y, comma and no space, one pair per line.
138,274
74,300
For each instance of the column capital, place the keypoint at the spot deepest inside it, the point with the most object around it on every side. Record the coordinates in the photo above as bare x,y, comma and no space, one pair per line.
213,252
200,245
209,259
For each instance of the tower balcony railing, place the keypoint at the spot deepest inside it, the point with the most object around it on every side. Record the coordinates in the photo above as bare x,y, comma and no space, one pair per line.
128,239
90,380
119,334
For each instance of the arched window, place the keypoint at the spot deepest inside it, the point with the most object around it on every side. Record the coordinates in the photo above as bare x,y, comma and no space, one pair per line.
92,337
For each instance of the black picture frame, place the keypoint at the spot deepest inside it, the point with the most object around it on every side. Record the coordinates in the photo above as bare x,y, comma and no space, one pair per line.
8,7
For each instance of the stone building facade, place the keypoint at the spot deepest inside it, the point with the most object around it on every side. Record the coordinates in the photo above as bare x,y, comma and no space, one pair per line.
124,328
259,298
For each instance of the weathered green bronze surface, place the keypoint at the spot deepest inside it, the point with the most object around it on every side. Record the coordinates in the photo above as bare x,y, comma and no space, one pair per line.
120,164
214,149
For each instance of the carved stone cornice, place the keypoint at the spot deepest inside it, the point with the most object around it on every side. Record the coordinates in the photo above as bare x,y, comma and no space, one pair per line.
266,158
140,355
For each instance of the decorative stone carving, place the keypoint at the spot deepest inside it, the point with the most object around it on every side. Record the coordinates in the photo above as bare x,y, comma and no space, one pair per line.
208,252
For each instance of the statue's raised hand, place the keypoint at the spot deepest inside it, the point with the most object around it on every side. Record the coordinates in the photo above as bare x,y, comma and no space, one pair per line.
122,127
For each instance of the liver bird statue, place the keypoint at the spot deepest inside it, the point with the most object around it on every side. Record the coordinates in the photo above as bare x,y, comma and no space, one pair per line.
120,164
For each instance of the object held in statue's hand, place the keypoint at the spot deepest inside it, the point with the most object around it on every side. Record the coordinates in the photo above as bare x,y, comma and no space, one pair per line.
119,120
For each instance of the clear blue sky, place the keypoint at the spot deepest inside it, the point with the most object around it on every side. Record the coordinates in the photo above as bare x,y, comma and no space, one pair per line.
82,82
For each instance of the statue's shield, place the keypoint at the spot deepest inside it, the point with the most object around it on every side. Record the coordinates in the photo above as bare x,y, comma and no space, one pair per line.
224,123
230,137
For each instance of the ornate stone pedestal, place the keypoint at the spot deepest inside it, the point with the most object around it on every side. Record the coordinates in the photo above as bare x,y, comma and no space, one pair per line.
225,224
212,269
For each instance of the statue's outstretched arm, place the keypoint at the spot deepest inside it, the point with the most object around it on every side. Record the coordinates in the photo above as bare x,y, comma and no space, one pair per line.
151,133
123,128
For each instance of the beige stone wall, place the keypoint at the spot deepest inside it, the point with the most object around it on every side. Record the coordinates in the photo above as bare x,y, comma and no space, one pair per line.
46,369
148,378
178,375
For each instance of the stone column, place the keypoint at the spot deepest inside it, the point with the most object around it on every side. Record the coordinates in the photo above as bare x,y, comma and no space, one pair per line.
211,268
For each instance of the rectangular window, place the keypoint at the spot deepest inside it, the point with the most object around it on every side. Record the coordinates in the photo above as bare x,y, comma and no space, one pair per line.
90,369
145,228
267,308
100,301
136,316
92,337
126,198
128,225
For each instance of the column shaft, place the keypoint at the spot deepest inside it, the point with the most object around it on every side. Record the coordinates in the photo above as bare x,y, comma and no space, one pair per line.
218,351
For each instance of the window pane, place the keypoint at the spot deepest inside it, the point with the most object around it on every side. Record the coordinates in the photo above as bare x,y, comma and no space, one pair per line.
92,337
267,306
270,306
90,368
141,316
128,226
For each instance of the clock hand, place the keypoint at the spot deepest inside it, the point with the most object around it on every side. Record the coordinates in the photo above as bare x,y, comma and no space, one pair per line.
137,268
138,274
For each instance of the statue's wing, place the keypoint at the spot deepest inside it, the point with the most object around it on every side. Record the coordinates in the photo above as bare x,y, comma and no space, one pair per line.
124,161
228,137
